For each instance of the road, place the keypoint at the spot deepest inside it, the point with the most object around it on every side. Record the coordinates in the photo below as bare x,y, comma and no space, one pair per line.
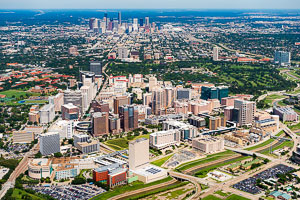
21,168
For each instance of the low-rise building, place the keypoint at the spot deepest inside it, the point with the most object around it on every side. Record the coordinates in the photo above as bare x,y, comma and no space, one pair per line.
23,137
208,144
164,139
40,168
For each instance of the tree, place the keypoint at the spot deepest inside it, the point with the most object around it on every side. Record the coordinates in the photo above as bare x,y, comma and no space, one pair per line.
58,155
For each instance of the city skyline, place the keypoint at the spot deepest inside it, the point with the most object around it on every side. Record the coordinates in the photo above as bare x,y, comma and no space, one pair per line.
155,4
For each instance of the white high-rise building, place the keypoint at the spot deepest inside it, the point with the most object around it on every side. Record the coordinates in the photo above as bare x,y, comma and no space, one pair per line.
138,153
47,114
49,143
147,21
122,52
216,53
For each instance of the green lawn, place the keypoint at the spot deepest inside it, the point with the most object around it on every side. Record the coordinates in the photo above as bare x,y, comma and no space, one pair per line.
289,144
222,193
295,127
264,143
122,143
203,172
118,144
209,158
126,188
159,190
18,93
161,161
17,194
236,197
211,197
231,197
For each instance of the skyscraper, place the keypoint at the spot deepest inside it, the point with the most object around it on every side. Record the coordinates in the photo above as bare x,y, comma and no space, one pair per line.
214,92
216,53
100,123
120,18
141,22
96,67
158,97
129,117
184,93
152,83
120,101
245,111
282,58
147,21
49,143
138,153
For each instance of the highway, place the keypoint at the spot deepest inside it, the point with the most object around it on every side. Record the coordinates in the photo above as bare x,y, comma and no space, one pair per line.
21,168
142,190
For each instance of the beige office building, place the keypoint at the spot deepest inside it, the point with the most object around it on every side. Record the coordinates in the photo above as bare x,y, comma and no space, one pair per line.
164,139
208,144
152,83
23,137
40,168
138,153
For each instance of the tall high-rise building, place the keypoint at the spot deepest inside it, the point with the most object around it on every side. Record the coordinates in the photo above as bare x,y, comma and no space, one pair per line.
158,97
49,143
141,22
282,58
122,52
147,21
169,97
214,92
92,23
74,97
120,101
183,93
245,111
100,123
47,114
216,53
129,115
138,153
120,18
96,67
152,83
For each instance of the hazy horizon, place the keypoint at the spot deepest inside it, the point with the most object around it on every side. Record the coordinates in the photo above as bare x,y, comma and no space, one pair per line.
154,4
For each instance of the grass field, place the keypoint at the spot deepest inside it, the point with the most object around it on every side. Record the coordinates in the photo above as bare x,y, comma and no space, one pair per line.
295,127
209,158
122,143
18,93
211,197
269,99
203,172
161,161
159,190
289,144
17,194
122,189
264,143
231,197
222,193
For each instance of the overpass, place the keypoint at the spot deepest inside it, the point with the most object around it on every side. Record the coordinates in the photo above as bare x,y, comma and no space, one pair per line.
191,179
249,153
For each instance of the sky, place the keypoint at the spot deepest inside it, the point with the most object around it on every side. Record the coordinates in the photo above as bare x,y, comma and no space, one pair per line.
149,4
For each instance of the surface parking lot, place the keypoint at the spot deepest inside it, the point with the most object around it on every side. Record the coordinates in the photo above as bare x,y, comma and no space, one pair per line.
249,184
70,192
